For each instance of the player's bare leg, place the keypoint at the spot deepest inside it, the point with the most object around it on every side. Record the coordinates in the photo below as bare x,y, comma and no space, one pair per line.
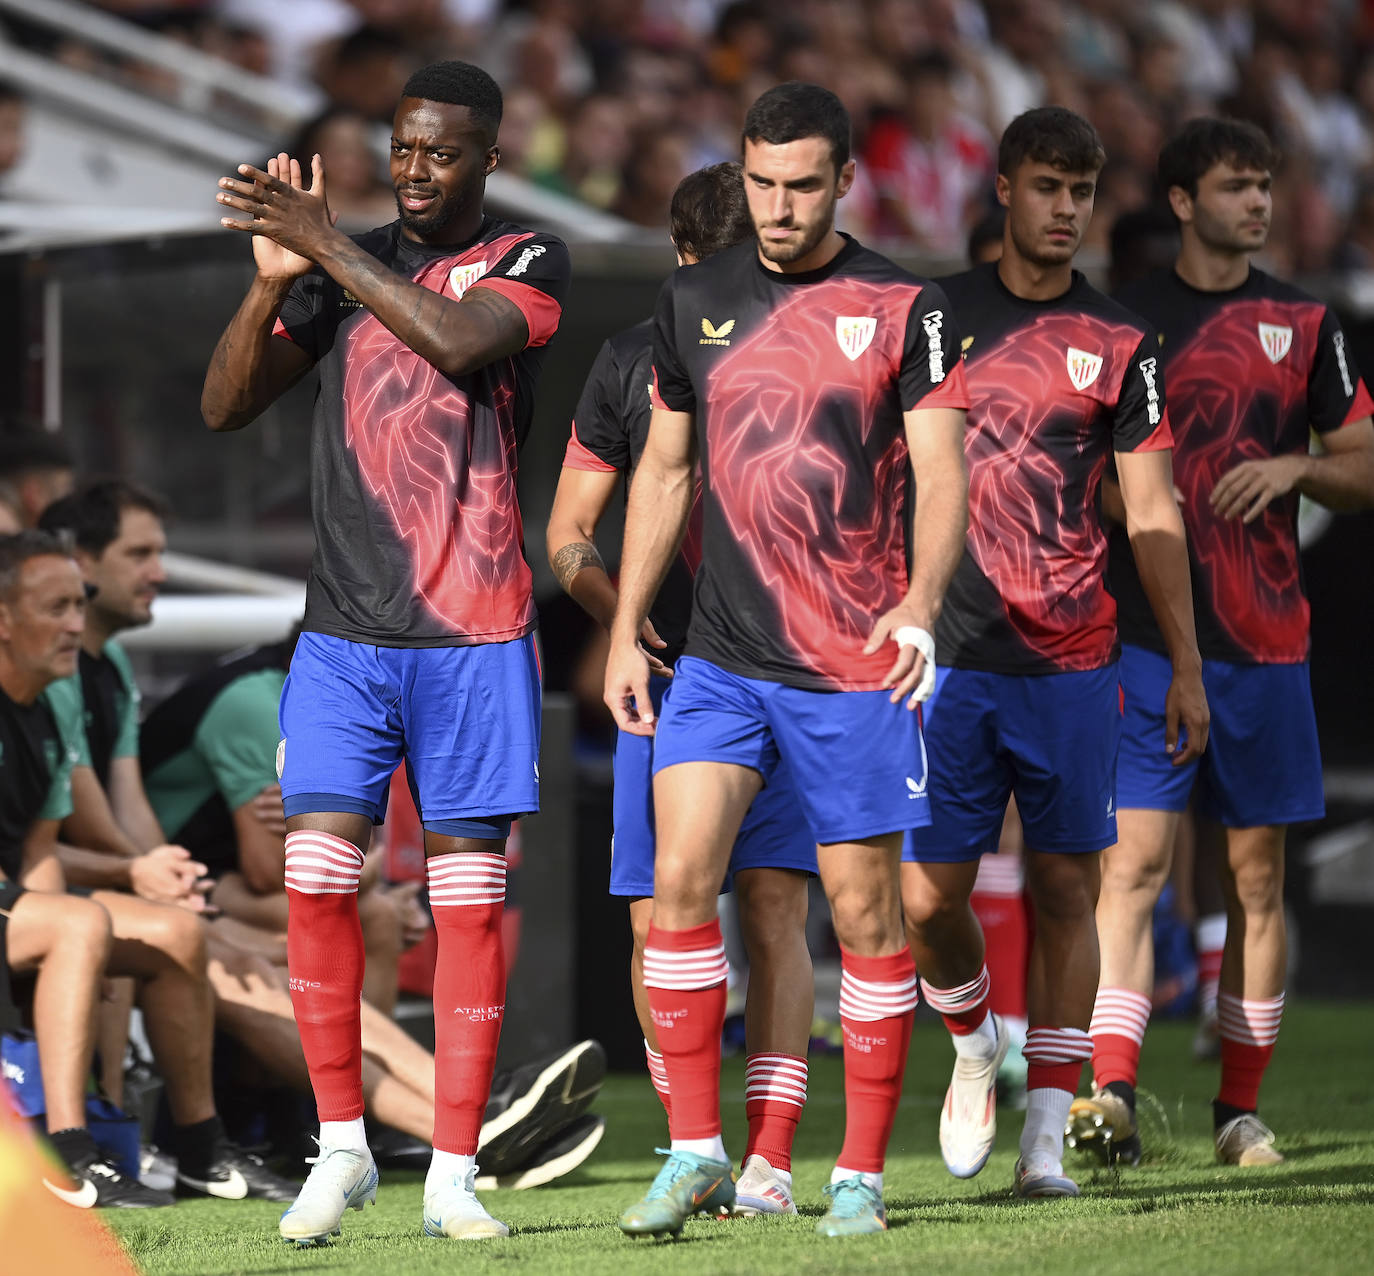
1250,1002
381,925
778,1010
948,946
699,809
1134,871
1062,984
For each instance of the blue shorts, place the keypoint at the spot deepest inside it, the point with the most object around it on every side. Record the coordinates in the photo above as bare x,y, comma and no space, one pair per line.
852,754
1051,739
773,835
464,719
1262,764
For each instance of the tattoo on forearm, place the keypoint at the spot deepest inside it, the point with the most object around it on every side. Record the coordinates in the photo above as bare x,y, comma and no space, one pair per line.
572,558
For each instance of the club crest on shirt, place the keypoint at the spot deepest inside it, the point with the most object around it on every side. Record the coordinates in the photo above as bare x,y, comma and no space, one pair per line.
461,278
854,333
1083,367
1276,340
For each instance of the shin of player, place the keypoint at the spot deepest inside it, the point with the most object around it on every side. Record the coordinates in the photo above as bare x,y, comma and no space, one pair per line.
1253,366
1060,380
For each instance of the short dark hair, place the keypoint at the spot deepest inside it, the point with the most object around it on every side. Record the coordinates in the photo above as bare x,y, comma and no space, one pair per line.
1051,135
1205,142
789,112
93,512
988,229
16,550
25,450
709,211
460,84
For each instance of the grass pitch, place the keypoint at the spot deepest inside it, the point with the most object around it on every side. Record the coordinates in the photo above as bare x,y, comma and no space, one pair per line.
1178,1212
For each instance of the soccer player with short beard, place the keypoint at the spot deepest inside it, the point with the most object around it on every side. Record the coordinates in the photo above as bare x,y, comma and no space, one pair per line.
1061,380
1254,366
811,376
418,637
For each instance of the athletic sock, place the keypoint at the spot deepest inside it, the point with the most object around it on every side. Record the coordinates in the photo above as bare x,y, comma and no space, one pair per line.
684,975
659,1076
351,1136
1054,1064
998,905
1248,1032
1118,1029
877,1006
444,1167
467,892
965,1011
195,1145
1209,936
324,958
774,1095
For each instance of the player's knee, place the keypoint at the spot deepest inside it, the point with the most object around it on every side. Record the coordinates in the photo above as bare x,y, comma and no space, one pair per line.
1065,888
865,921
1259,885
180,936
83,923
1130,873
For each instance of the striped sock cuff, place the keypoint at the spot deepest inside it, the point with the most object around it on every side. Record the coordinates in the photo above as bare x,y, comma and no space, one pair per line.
1249,1023
466,878
658,1074
873,988
775,1078
1000,875
685,960
1057,1045
954,1001
1120,1012
322,864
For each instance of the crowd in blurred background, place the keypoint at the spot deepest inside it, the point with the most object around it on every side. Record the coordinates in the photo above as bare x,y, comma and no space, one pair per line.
613,101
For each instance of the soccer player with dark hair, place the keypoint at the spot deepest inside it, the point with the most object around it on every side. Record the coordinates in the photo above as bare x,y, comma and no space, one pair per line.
35,469
1061,380
418,642
774,852
1254,366
810,376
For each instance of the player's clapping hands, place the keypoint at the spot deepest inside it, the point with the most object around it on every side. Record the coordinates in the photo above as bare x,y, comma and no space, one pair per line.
1247,488
288,220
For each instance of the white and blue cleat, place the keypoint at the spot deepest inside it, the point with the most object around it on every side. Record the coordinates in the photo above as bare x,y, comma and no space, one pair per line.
453,1210
341,1180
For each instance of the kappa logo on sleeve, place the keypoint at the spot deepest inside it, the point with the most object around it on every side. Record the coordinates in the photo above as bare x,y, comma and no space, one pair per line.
1338,344
461,278
1148,368
522,262
934,323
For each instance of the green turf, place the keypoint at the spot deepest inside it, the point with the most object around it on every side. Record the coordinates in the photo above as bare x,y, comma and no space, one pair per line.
1180,1212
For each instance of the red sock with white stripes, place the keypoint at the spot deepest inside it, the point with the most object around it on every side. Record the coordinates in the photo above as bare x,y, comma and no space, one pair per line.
1118,1029
684,975
324,959
1054,1059
965,1012
467,893
774,1095
1209,936
877,1006
998,905
659,1076
1249,1030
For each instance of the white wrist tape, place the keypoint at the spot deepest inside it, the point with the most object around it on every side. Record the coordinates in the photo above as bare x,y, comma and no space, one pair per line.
924,642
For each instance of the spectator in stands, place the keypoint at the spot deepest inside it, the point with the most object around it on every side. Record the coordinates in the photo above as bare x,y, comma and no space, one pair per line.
657,163
933,166
35,470
596,146
365,72
53,949
358,190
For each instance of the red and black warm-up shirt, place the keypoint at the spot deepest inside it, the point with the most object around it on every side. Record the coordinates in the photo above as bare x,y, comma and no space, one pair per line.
1251,372
418,538
798,384
1055,387
609,431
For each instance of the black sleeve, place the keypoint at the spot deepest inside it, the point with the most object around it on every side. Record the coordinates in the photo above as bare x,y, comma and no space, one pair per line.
1139,409
1335,393
672,386
303,313
931,374
599,422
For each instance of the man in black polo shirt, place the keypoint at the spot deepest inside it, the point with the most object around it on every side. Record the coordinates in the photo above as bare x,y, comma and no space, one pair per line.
59,942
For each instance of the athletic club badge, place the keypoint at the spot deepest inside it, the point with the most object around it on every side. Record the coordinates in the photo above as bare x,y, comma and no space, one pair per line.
461,278
854,334
1083,368
1276,340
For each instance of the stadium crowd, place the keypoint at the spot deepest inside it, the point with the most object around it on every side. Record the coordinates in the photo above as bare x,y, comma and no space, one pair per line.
614,101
